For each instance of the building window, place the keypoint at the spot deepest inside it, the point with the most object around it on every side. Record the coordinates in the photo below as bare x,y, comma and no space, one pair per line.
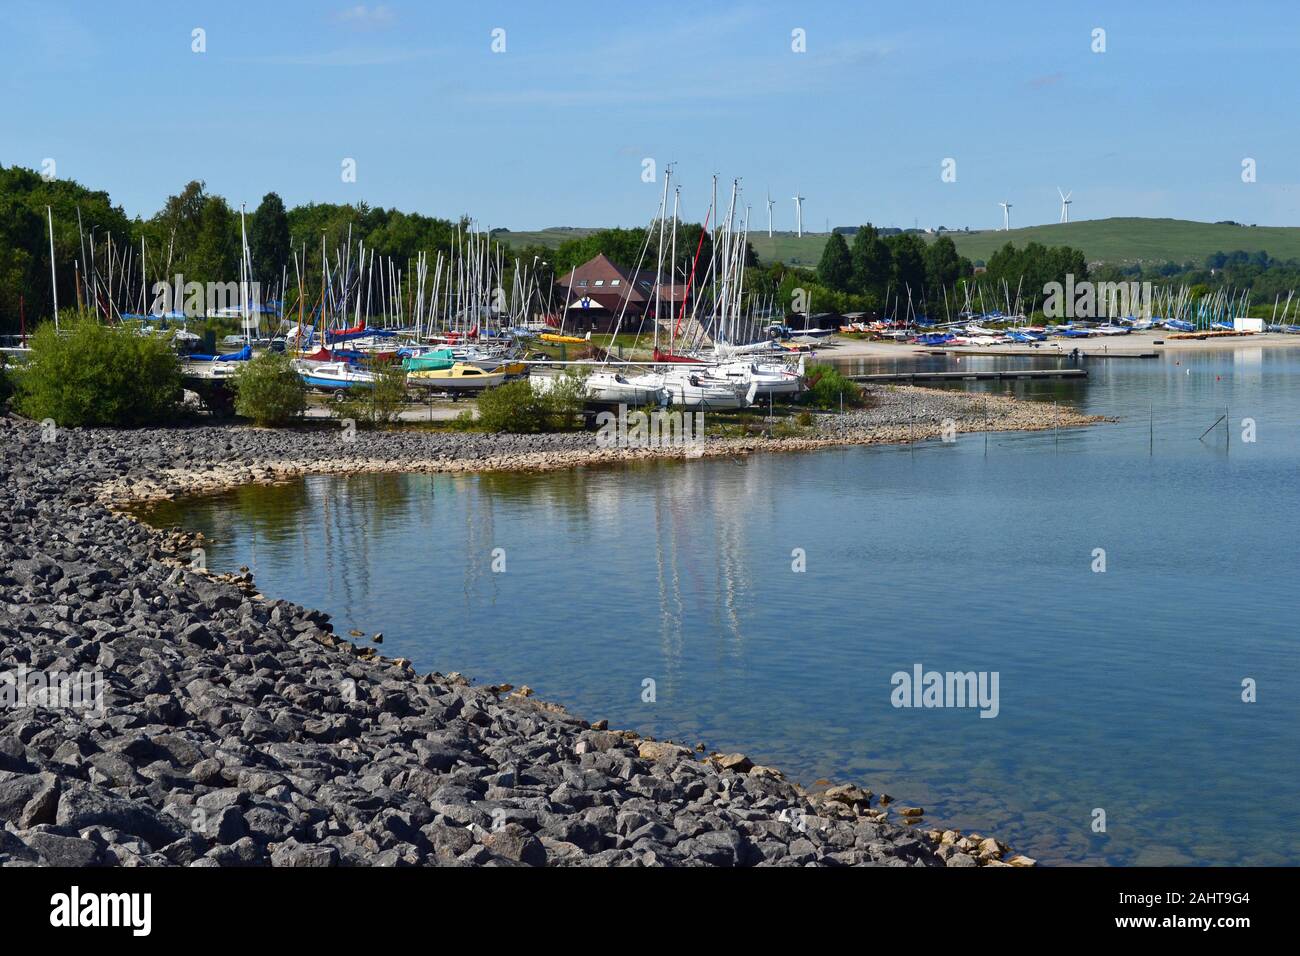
600,282
582,283
615,281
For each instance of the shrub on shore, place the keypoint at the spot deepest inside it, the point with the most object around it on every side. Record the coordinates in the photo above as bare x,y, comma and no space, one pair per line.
379,404
827,387
566,400
519,408
95,375
269,391
513,407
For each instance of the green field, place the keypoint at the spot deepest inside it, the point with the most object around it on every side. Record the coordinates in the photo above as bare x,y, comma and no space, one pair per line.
1102,240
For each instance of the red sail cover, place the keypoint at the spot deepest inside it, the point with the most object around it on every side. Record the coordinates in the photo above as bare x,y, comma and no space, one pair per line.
661,356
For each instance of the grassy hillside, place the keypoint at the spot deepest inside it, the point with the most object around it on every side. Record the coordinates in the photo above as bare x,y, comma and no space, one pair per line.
1109,240
1141,240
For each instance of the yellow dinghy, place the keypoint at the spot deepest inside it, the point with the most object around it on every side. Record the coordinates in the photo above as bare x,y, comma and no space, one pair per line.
461,377
571,339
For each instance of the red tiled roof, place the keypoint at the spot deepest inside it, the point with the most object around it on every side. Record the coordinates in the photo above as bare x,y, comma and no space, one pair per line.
601,269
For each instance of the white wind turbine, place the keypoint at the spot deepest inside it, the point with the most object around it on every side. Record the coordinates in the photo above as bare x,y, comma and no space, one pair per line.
798,214
1065,204
1006,216
770,203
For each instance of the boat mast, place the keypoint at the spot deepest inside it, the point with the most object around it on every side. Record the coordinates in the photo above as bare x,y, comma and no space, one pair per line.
672,267
659,264
54,285
243,273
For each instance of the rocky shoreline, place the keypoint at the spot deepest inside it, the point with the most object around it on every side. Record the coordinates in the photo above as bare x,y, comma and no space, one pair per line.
223,458
233,729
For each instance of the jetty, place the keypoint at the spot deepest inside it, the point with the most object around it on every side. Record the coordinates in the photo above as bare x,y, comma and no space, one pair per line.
970,376
1051,353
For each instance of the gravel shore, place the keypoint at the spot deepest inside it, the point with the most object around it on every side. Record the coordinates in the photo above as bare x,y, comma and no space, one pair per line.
232,729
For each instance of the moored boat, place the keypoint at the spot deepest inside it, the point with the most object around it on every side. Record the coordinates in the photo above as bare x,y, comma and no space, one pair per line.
334,376
460,377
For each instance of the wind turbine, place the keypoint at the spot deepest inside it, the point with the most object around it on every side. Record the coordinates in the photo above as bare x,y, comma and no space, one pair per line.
770,204
1065,204
1006,216
798,214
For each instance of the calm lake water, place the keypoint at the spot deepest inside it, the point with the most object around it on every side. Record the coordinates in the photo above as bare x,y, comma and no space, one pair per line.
1119,690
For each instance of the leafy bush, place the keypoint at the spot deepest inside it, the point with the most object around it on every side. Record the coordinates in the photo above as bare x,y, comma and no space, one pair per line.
826,386
269,391
566,399
519,408
378,404
96,375
514,407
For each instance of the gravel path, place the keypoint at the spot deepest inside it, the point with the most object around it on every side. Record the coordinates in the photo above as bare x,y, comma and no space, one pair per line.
223,728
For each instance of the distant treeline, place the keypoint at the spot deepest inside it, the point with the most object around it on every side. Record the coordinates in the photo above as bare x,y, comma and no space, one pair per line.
1266,278
195,234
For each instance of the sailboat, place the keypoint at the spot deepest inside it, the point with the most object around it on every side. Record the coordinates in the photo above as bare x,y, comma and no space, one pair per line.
430,361
696,390
770,380
334,376
460,377
618,388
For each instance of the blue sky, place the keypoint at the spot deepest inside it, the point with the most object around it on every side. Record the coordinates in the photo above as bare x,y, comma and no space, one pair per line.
553,131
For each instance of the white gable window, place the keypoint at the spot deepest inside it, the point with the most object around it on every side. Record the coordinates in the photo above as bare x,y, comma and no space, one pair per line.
600,282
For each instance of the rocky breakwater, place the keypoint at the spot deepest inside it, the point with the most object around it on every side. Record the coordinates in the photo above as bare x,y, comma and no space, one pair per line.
907,413
214,727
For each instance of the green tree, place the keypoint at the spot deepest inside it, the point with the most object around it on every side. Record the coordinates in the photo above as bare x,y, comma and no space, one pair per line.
907,252
24,240
942,264
269,390
214,256
268,239
872,262
835,270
